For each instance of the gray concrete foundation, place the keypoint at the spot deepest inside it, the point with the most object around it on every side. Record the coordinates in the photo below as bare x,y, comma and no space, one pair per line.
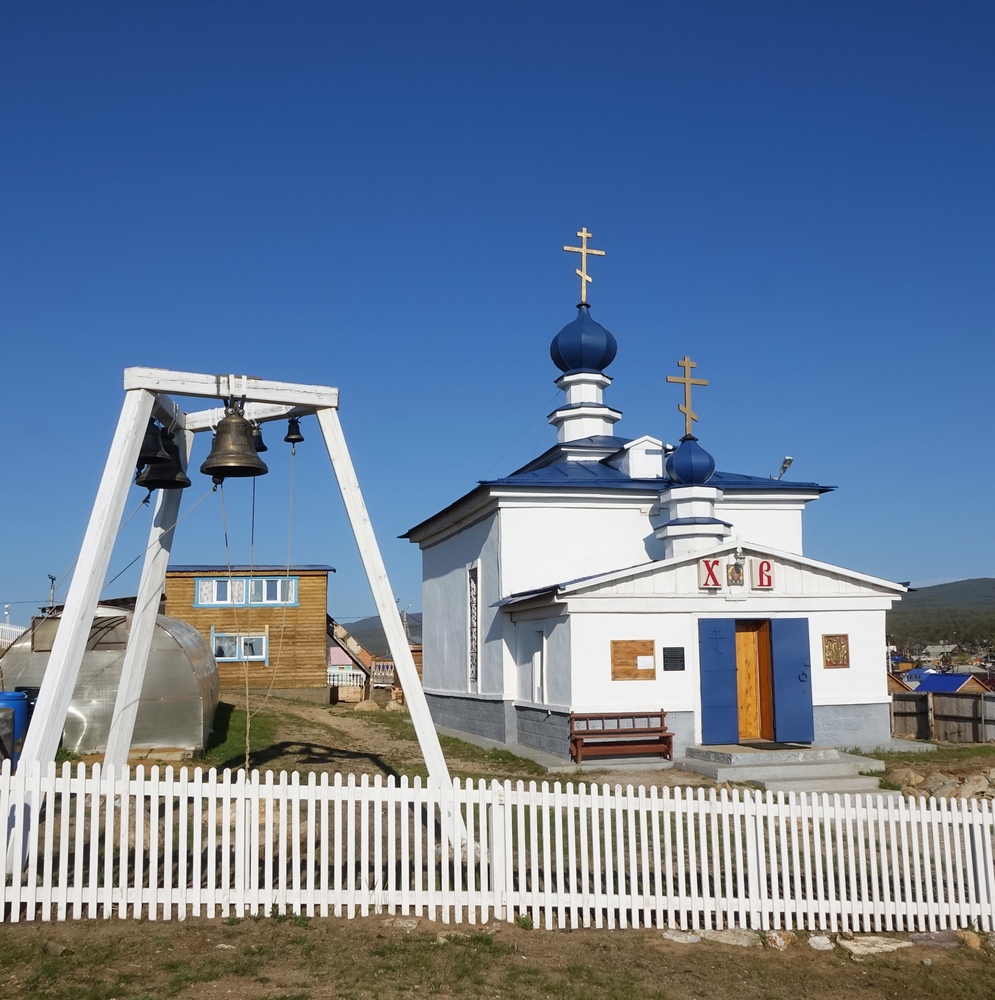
863,726
543,730
492,719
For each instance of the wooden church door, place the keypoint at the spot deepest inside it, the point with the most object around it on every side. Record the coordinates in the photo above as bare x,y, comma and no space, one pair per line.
753,681
756,680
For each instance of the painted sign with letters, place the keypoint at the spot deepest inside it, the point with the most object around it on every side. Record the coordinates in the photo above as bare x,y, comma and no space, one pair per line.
709,574
762,577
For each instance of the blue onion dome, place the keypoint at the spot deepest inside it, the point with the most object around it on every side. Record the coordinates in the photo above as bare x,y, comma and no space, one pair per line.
690,464
583,345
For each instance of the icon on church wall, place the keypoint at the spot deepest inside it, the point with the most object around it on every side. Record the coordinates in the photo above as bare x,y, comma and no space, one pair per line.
836,650
734,575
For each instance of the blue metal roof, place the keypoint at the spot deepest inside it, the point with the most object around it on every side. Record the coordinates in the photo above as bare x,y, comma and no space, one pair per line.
943,683
597,473
259,569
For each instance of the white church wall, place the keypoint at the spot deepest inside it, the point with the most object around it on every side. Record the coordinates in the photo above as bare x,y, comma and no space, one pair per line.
542,661
593,687
865,681
545,544
446,608
773,527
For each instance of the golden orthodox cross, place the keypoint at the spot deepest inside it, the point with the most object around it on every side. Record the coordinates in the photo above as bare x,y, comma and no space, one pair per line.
687,364
581,271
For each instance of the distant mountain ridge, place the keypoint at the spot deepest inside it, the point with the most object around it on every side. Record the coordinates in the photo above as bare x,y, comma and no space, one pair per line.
961,594
961,612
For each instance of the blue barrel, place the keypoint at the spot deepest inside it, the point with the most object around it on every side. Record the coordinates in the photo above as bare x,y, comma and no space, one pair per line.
32,693
18,701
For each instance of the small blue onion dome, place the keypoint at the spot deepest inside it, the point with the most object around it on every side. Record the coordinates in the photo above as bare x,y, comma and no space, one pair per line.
583,345
690,464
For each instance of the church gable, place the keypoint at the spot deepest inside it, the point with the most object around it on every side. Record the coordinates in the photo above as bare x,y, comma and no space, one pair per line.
732,573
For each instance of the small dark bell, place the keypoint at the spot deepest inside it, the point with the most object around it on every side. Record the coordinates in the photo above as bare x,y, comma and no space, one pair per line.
294,435
257,438
232,452
152,449
168,475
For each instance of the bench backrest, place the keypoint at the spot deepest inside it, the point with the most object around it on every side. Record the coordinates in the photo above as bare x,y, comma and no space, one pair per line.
610,722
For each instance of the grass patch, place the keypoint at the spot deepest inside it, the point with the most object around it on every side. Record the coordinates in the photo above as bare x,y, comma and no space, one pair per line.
945,753
226,747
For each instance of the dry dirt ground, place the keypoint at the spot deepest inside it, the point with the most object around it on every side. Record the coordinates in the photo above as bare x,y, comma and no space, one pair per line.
296,958
313,737
307,736
366,959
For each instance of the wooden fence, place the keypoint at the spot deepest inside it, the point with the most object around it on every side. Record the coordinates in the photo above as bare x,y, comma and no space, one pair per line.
93,843
952,718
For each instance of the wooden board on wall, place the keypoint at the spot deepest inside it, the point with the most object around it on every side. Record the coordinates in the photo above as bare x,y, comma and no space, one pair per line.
629,659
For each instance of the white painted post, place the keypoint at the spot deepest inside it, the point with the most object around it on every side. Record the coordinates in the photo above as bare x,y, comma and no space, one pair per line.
57,686
390,618
136,655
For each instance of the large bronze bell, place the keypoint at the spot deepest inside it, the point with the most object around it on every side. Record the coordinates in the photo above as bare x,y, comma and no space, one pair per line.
168,475
152,450
233,452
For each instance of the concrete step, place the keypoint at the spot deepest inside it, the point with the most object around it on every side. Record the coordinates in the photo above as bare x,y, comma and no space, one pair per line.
762,773
859,784
780,768
762,753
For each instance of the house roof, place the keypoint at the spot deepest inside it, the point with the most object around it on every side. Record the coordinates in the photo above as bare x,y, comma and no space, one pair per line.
581,473
552,470
945,683
258,569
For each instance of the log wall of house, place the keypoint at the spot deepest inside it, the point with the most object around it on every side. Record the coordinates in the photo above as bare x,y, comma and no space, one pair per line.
297,640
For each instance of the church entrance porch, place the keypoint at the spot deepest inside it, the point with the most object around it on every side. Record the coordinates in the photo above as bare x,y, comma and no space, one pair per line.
756,680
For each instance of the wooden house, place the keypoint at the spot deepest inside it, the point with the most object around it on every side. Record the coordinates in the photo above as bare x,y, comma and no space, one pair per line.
264,623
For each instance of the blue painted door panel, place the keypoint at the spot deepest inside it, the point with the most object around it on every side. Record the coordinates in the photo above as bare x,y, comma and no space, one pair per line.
791,672
719,695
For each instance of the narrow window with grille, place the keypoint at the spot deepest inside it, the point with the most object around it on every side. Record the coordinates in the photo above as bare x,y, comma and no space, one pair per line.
473,644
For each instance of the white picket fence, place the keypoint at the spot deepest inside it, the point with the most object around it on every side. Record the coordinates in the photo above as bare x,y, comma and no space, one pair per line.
163,845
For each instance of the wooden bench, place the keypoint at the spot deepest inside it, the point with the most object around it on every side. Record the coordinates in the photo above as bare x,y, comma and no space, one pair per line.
620,734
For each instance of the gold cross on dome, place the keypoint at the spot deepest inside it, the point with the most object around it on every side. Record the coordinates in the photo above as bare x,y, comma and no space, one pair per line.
581,271
687,364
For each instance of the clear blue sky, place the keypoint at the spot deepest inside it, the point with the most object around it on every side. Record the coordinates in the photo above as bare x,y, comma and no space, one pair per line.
374,195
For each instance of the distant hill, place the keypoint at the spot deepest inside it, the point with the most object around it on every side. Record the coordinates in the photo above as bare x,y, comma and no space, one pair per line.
961,594
370,634
961,612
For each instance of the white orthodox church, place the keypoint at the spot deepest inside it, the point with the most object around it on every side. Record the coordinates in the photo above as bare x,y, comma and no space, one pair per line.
620,575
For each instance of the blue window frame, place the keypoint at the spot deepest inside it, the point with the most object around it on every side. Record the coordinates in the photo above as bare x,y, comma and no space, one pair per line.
240,591
240,646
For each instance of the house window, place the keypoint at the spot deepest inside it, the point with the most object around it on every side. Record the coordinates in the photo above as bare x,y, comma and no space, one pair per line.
232,591
539,669
239,646
473,626
273,590
221,590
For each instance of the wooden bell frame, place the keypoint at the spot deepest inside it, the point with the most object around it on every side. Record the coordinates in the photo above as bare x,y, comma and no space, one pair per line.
147,394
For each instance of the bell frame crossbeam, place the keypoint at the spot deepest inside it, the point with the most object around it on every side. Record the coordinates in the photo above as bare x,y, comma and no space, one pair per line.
146,394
